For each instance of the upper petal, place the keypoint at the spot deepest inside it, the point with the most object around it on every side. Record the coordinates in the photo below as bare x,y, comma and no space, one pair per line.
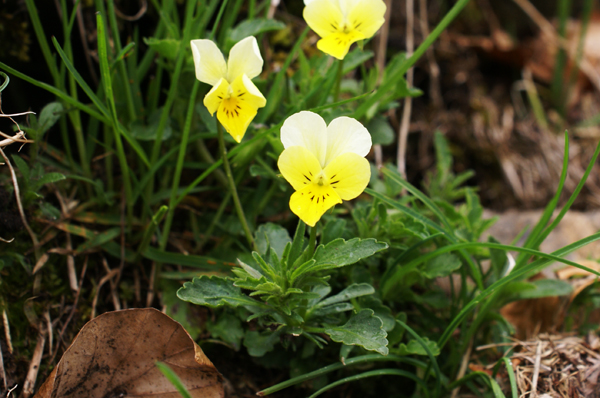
244,58
344,135
367,16
306,129
208,61
323,16
349,175
298,166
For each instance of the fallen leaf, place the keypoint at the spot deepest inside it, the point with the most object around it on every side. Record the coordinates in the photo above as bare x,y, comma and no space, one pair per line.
114,355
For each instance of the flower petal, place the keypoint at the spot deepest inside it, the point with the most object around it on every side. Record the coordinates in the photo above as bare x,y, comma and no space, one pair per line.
239,107
244,58
312,202
337,44
344,135
208,61
215,96
349,175
306,129
367,16
323,16
298,166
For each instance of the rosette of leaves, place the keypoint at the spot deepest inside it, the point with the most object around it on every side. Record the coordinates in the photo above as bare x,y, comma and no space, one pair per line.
284,289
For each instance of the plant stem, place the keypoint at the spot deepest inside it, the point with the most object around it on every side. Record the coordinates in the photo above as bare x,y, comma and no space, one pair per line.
233,189
312,239
338,80
179,167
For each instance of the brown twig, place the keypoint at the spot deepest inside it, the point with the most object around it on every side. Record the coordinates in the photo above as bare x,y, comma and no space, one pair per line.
3,373
380,60
34,366
550,32
435,91
7,331
137,15
536,370
406,112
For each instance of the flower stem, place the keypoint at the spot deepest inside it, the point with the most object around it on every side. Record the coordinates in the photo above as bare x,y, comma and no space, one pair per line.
338,82
233,190
312,239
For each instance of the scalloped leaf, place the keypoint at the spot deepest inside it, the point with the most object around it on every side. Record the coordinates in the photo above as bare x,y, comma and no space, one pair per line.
363,329
215,292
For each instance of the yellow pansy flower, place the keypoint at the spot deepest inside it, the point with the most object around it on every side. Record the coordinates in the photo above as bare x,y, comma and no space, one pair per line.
324,164
343,22
234,97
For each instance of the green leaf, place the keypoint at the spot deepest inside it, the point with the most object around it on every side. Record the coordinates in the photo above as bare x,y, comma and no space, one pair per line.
252,28
271,235
173,379
441,266
363,329
352,291
333,230
188,260
415,348
382,311
99,239
23,167
227,328
47,179
381,131
499,260
259,344
538,289
340,252
48,117
149,132
355,58
215,292
330,309
168,48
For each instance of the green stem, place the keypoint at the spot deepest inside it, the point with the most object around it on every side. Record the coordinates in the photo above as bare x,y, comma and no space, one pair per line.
312,239
338,80
233,189
179,167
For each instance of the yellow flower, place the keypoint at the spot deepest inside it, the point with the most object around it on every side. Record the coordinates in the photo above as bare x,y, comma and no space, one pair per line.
324,164
234,97
343,22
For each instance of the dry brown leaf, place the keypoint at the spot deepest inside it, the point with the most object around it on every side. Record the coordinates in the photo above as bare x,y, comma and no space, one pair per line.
569,271
114,355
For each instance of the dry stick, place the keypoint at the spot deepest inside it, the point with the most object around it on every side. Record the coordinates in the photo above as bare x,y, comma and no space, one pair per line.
138,15
84,43
34,366
547,28
536,370
381,54
435,92
11,390
113,285
3,374
150,294
7,331
406,112
73,309
463,367
64,209
20,205
49,326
